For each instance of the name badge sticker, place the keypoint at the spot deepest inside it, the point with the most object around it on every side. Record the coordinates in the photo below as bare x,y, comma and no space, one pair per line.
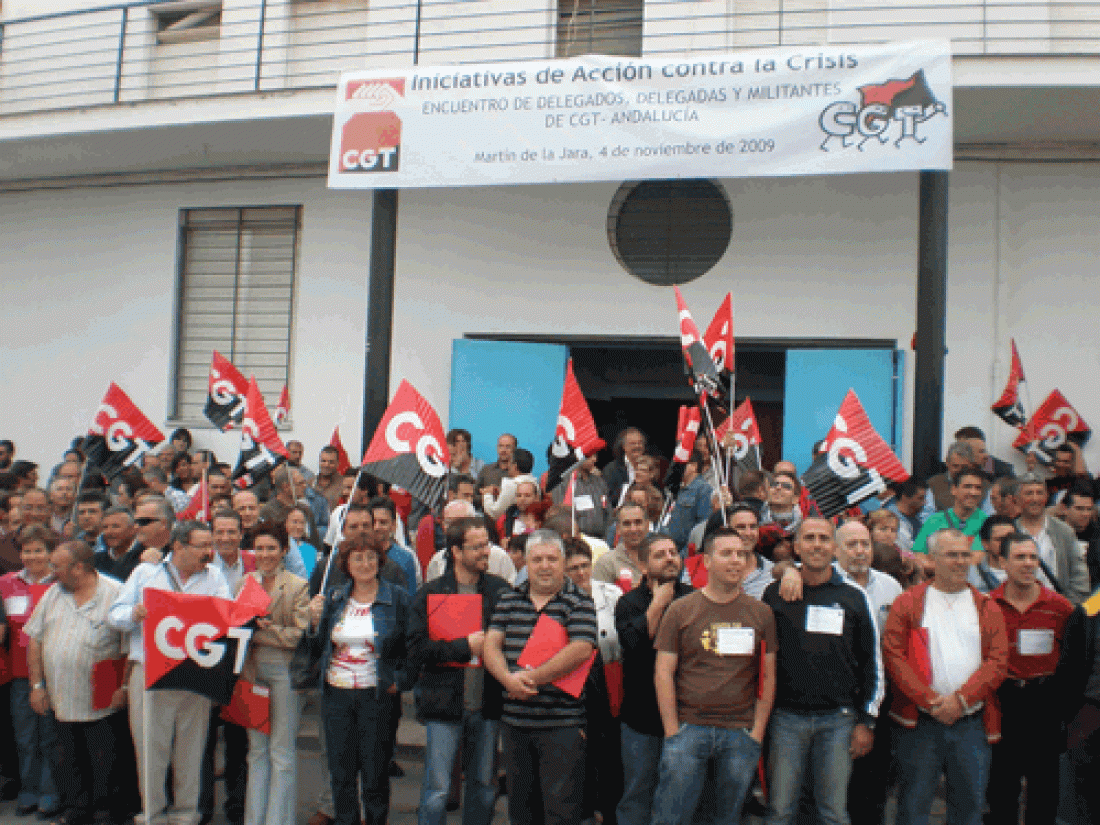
16,606
736,641
583,503
1035,642
827,620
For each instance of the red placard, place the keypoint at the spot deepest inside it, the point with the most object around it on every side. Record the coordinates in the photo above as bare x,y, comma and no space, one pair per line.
454,616
106,679
548,639
250,708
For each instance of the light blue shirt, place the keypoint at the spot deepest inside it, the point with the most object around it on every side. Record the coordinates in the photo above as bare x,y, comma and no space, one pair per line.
209,581
295,559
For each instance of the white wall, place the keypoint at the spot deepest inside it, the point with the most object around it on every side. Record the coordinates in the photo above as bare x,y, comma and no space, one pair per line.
87,279
86,282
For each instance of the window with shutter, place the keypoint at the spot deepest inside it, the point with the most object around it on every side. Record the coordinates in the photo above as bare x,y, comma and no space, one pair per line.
236,295
599,27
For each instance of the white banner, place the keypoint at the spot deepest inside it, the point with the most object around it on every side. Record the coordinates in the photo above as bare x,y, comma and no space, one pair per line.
798,111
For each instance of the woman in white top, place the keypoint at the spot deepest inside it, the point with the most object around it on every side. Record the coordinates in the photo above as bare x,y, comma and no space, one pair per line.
603,784
361,630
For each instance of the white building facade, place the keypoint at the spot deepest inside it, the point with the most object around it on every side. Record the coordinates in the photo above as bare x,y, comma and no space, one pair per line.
124,129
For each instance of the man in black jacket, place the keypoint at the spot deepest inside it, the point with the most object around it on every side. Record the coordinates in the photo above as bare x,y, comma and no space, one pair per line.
456,698
1079,687
637,615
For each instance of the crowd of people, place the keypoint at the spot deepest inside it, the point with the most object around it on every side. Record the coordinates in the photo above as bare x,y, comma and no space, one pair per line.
642,643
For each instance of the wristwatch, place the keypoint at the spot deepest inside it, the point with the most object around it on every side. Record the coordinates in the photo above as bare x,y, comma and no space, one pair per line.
38,686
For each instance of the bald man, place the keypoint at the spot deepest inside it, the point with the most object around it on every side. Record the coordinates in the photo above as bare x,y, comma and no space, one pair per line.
500,563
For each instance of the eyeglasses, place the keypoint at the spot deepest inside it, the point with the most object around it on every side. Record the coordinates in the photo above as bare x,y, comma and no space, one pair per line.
145,521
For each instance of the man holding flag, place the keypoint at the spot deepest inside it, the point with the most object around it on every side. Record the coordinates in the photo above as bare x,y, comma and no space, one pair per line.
168,726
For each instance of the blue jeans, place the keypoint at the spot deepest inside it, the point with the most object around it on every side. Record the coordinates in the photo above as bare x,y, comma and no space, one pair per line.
641,759
359,736
960,752
477,737
36,741
683,771
821,739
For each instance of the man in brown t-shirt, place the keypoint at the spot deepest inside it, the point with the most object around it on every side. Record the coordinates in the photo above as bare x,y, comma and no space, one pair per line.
715,680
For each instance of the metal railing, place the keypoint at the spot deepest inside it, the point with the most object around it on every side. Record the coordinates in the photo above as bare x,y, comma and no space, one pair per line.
174,49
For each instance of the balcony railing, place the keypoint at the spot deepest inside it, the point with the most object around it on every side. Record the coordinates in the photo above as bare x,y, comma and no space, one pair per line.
174,49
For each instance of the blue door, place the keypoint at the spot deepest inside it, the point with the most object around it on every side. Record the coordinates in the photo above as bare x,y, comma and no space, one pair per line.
507,386
817,381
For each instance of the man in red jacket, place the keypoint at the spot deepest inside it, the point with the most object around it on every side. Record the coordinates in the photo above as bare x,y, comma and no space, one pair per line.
946,652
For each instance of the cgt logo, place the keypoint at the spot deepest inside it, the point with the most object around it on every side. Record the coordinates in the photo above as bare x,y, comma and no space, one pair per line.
427,449
890,110
175,640
371,139
371,142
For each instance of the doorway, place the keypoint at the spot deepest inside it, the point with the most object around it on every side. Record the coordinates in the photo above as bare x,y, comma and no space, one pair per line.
512,383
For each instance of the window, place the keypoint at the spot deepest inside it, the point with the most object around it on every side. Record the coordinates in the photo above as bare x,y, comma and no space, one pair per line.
599,27
187,21
235,295
669,232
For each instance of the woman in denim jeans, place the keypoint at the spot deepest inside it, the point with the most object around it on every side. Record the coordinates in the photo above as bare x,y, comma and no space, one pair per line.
360,633
272,759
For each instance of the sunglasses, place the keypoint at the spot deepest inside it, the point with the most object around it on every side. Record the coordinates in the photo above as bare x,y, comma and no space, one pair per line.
786,485
145,521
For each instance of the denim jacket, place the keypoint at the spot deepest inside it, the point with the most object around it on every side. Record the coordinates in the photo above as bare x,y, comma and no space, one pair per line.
390,613
692,506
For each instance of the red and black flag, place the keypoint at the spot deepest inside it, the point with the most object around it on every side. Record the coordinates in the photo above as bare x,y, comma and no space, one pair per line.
746,436
852,463
199,508
1054,423
575,437
718,338
687,430
119,434
261,448
700,366
199,643
225,398
343,463
282,410
1009,407
408,448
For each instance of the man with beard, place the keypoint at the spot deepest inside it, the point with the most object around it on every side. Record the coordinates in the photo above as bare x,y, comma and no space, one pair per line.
637,616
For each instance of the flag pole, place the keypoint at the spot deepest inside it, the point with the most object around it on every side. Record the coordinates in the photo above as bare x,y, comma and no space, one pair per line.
573,503
714,453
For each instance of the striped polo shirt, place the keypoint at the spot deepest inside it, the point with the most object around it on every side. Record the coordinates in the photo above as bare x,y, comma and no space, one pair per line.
515,616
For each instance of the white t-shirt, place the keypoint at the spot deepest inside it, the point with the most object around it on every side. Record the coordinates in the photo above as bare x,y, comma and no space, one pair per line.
955,638
354,662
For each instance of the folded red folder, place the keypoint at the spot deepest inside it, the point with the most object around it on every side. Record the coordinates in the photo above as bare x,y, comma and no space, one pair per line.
454,616
250,707
920,654
548,639
106,679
